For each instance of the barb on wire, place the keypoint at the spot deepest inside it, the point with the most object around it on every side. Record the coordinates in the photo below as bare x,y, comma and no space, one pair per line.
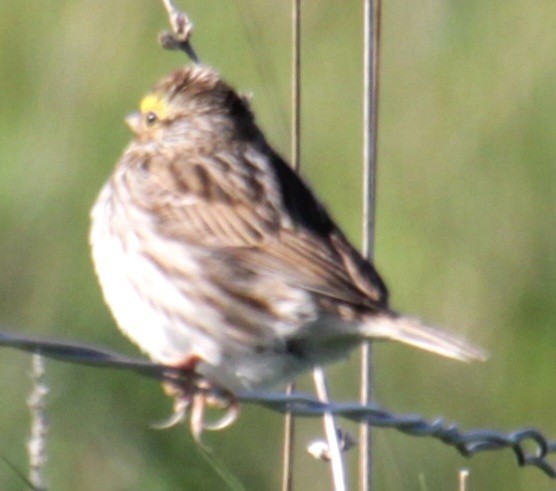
466,442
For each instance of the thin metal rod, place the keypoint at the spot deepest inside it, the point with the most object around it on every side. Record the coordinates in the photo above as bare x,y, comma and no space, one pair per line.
334,451
289,421
370,120
296,84
463,476
288,448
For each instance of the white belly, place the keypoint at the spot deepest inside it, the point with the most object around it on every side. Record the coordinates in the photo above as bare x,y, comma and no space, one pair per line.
147,307
160,314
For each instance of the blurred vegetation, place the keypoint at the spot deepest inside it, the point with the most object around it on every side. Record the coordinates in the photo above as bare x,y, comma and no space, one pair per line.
466,216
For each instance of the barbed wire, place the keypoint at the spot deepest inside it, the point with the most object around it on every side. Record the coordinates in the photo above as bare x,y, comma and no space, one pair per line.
466,442
529,445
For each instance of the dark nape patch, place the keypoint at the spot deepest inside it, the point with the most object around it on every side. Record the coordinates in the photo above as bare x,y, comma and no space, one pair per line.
299,200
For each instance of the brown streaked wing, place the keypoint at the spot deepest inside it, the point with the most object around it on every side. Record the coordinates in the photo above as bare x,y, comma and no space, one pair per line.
301,259
208,204
236,207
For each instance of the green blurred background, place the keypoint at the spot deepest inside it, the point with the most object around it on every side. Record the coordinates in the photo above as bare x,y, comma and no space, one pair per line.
466,233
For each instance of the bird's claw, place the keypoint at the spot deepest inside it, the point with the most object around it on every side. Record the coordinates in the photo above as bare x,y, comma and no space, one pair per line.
194,402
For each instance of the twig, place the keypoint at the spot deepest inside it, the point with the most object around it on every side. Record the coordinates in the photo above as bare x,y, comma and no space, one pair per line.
36,446
182,28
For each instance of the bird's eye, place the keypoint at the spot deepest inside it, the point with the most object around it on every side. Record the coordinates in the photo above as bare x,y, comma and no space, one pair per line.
151,118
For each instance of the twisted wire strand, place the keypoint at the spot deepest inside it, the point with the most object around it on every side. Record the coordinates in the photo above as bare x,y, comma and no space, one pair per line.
467,443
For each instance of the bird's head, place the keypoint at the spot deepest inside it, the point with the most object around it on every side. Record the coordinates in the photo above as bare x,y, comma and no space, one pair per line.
192,102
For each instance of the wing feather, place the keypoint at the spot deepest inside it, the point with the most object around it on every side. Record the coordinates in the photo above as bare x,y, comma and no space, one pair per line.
238,204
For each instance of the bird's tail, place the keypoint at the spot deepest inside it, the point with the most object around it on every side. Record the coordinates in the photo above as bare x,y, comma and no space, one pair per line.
414,333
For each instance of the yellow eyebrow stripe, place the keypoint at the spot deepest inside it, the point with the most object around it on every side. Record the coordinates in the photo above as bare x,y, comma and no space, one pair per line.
154,103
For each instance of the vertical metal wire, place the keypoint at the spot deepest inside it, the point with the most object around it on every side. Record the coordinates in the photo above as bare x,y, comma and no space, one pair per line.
370,118
287,459
296,83
289,421
337,467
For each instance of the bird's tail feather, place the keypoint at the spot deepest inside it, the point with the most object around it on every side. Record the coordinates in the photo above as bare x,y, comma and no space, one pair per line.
414,333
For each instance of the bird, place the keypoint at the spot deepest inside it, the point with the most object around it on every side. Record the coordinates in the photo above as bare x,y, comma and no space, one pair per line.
215,256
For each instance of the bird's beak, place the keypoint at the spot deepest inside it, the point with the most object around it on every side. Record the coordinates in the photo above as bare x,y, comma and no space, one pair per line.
133,120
